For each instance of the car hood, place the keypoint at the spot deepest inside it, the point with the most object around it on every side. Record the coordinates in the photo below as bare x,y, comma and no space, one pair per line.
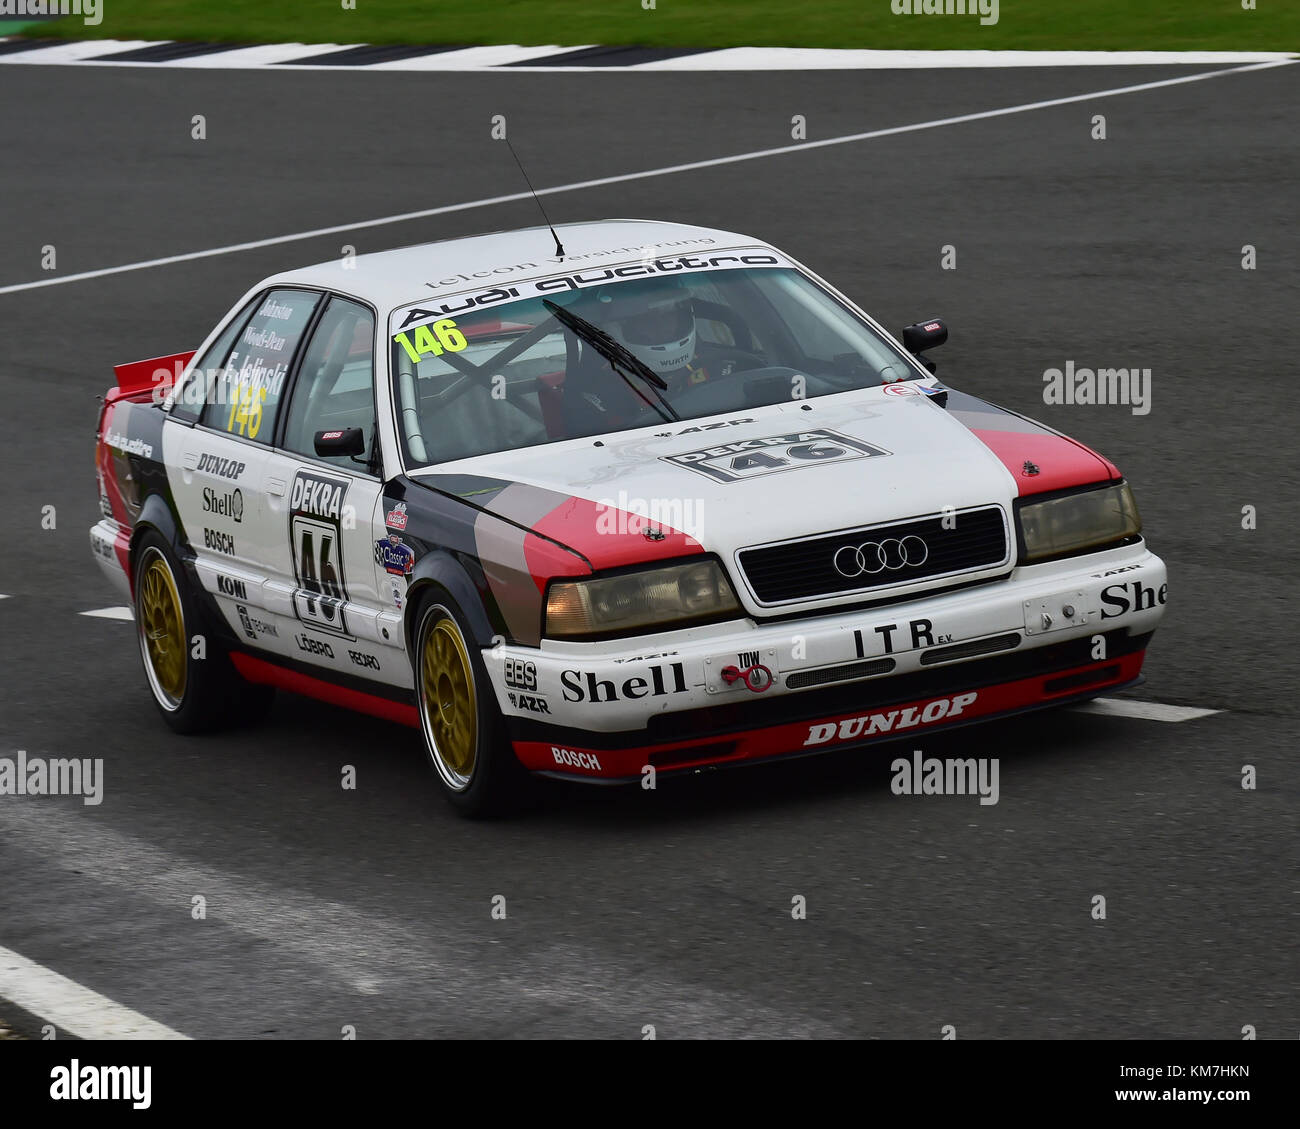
774,473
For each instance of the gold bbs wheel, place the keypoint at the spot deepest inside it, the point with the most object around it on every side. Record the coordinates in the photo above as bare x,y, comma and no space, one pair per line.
448,699
161,623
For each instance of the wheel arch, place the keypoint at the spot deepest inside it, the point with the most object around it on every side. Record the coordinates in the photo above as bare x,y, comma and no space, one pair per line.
441,570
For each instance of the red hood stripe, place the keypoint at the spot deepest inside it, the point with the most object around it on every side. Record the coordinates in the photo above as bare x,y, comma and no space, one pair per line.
610,537
1061,462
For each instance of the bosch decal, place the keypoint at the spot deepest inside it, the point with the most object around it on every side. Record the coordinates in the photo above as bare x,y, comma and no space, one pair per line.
569,759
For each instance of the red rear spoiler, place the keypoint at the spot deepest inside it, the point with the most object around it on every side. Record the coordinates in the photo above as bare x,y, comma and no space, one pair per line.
145,376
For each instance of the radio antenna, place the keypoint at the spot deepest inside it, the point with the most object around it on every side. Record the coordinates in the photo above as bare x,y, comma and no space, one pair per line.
559,248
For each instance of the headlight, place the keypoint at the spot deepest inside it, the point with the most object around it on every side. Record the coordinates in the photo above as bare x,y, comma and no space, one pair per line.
1087,520
660,597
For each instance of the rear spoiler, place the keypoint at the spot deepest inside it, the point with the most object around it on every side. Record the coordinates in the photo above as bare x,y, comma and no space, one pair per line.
145,376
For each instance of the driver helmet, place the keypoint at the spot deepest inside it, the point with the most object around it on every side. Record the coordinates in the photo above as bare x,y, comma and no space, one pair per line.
653,319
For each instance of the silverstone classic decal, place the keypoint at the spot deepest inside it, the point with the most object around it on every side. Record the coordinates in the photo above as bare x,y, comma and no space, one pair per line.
397,559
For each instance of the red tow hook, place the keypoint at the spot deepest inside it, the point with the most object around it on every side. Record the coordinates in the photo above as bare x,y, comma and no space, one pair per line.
756,678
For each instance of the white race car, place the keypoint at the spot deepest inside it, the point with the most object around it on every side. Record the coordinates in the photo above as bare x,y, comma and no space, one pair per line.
665,501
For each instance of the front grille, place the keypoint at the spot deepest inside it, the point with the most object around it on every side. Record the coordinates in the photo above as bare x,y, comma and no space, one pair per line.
877,556
823,676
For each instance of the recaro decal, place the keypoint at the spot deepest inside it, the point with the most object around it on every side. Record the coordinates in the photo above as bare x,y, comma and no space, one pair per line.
316,507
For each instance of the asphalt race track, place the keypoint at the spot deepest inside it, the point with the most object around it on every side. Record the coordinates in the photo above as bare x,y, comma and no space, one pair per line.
672,908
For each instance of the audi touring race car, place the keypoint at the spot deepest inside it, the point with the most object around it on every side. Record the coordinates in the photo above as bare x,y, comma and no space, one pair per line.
663,502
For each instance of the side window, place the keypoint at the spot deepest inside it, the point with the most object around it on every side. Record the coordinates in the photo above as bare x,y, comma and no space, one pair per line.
335,388
189,403
246,392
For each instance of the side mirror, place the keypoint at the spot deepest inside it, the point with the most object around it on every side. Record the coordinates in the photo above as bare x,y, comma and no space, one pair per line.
924,335
349,441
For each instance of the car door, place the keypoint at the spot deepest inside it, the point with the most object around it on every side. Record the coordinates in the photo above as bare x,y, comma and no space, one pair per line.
323,509
216,451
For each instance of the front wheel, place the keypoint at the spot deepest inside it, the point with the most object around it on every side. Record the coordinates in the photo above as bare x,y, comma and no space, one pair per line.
464,735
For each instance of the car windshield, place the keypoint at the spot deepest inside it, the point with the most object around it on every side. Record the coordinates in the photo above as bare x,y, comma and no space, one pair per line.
496,370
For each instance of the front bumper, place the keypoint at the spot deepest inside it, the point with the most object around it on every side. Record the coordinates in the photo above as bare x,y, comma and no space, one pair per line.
745,690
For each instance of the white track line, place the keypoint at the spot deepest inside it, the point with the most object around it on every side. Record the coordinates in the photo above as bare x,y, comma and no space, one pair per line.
481,59
69,1006
1147,711
246,58
800,58
623,178
74,51
109,613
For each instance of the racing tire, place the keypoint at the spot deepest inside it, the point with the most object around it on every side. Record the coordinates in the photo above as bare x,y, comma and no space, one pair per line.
464,734
192,694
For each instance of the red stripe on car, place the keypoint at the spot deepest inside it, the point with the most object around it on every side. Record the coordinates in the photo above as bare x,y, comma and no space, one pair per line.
1055,462
836,731
610,537
269,674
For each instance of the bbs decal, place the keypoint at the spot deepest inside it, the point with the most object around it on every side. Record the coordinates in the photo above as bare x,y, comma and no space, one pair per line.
316,507
772,454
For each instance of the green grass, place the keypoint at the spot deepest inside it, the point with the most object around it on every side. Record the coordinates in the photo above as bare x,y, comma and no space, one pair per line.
1022,24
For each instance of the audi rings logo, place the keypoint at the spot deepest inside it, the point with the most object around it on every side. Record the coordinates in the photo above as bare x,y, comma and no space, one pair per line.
872,557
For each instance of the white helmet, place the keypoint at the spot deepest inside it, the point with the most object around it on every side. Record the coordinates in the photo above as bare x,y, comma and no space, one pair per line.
653,319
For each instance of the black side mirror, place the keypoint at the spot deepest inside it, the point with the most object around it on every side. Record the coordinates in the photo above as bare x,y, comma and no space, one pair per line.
924,335
349,441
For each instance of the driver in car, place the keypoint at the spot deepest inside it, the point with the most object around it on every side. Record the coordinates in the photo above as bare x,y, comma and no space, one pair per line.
655,321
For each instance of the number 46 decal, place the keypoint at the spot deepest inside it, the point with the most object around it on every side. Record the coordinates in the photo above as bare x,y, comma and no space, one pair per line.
315,521
320,596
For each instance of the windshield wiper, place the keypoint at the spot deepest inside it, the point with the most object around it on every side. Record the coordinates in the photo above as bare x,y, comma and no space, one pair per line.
614,352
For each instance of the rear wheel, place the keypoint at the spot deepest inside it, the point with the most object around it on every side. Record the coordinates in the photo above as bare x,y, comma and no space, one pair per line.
190,677
464,735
